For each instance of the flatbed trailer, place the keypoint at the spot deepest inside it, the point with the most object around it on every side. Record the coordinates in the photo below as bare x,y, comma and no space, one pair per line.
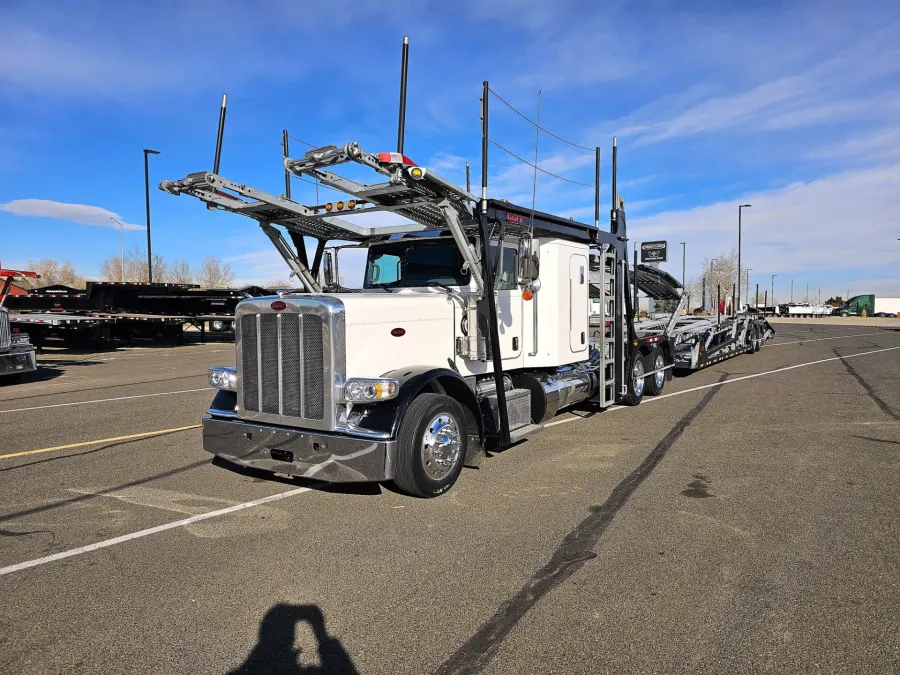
108,311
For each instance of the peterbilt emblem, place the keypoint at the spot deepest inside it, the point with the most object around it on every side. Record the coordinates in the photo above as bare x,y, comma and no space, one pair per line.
278,305
398,332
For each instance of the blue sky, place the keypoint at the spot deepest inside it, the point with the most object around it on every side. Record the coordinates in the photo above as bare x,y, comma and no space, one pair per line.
790,106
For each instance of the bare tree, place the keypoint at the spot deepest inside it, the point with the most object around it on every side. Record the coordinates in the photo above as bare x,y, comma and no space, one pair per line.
136,266
53,272
111,269
180,272
213,273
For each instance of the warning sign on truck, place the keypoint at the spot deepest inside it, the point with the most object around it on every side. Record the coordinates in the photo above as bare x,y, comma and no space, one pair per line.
653,251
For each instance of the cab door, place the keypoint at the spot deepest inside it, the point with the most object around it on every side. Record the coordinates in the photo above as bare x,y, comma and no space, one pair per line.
509,306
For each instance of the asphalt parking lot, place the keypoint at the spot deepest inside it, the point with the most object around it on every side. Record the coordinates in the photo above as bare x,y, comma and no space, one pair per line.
748,520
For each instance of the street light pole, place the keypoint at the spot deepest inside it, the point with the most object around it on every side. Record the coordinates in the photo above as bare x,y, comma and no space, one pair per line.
683,259
773,289
122,239
792,291
740,208
147,197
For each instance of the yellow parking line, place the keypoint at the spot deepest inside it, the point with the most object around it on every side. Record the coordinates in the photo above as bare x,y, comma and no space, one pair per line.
146,434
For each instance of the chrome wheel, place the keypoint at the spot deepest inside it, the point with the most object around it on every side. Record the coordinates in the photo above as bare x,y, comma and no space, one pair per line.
638,374
441,446
660,377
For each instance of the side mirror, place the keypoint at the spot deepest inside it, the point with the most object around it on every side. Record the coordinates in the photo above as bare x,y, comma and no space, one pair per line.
328,269
529,267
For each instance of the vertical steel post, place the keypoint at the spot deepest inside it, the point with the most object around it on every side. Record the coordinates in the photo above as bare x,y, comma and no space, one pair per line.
637,307
614,225
487,272
683,263
401,122
221,133
597,188
757,296
718,303
468,178
286,154
485,91
147,202
792,290
703,294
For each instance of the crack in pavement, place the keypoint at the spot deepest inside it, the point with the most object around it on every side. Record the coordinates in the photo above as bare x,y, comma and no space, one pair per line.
572,553
870,390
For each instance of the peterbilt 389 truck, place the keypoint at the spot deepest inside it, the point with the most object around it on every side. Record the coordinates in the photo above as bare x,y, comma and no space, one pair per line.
470,331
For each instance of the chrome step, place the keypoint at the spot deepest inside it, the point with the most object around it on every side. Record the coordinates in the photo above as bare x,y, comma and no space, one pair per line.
523,432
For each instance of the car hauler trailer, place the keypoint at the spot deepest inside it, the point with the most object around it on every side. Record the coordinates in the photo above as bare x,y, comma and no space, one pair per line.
698,342
16,351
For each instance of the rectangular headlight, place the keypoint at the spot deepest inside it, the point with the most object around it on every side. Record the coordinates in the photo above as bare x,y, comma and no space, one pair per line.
223,377
370,390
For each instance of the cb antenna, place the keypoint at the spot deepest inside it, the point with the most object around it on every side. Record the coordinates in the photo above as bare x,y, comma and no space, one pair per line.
404,67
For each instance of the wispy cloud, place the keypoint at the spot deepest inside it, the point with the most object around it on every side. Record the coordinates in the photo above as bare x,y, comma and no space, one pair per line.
814,227
824,92
75,213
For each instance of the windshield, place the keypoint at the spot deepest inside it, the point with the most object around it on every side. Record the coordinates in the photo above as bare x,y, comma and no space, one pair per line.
414,263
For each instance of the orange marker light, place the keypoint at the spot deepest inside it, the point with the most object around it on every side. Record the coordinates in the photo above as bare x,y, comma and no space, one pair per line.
527,295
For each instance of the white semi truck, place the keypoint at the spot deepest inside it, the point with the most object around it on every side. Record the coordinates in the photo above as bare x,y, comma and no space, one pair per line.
472,328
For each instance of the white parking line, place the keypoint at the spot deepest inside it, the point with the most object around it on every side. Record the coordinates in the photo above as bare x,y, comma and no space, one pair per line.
150,530
737,379
837,337
296,491
104,400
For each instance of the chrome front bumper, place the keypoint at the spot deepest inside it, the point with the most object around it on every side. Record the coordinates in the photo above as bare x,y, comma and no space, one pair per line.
17,360
328,457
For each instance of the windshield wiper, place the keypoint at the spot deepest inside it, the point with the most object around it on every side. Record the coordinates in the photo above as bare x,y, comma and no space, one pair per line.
438,285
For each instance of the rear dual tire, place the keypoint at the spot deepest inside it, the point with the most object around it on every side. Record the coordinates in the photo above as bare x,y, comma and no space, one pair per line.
654,384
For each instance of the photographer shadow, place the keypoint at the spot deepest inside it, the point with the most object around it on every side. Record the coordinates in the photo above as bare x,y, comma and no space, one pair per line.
276,651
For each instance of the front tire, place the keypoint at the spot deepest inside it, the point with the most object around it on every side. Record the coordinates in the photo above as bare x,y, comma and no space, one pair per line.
431,446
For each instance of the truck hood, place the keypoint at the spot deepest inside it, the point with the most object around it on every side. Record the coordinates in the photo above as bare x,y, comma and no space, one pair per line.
387,331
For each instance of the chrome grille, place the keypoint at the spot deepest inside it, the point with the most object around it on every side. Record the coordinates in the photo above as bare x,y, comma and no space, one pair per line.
280,373
313,375
5,336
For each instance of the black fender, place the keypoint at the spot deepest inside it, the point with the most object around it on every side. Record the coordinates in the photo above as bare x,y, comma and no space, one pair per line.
387,416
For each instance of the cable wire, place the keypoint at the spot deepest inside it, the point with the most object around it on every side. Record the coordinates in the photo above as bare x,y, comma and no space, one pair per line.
525,161
300,140
537,124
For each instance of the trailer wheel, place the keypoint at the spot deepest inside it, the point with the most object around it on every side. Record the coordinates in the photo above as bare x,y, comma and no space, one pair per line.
635,386
431,446
655,383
